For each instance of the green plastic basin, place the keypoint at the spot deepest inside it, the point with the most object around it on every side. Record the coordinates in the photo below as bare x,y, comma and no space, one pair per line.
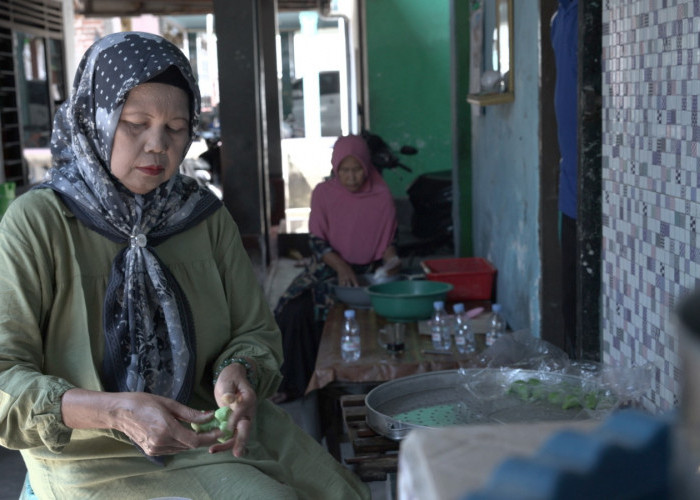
403,301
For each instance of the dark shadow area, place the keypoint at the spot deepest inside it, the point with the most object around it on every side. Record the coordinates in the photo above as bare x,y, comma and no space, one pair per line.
13,472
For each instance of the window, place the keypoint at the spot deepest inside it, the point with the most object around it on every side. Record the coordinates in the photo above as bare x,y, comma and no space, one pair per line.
32,71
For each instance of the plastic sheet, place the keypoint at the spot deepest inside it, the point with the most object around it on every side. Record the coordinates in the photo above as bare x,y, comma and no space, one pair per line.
617,385
521,350
516,395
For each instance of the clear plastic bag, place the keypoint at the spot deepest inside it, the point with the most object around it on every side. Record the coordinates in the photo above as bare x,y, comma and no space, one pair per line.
530,379
521,350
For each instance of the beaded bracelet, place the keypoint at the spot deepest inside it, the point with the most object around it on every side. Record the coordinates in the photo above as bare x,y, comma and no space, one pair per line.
249,374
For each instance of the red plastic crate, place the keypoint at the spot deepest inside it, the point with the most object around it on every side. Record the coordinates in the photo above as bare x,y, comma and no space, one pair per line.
472,277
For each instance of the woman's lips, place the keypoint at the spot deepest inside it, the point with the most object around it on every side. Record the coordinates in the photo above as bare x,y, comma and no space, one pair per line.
151,169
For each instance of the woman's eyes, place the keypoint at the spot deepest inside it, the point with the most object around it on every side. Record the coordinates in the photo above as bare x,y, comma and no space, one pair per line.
133,124
139,126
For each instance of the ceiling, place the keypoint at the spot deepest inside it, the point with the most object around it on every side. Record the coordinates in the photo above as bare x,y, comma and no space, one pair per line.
119,8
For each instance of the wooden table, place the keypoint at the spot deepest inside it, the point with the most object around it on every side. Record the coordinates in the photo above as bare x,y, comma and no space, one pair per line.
334,377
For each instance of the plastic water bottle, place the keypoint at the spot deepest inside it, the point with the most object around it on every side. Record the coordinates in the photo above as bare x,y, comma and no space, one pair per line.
350,344
464,337
497,325
440,327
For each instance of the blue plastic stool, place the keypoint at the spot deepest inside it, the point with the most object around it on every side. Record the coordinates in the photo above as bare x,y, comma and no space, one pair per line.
626,457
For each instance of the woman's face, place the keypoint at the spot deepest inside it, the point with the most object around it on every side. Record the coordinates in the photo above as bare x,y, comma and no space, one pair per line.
151,136
351,174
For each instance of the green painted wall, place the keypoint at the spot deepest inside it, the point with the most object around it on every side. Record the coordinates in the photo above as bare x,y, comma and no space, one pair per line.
408,70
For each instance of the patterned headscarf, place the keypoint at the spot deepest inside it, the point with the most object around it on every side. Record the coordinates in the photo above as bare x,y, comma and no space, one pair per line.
359,225
149,334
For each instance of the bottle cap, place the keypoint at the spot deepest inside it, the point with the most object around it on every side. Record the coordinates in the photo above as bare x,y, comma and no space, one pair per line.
349,313
438,304
458,308
496,308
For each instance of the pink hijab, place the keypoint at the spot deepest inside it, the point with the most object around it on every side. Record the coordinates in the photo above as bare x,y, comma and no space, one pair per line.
360,225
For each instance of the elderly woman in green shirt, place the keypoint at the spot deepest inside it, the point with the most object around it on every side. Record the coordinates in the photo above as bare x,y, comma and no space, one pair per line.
129,309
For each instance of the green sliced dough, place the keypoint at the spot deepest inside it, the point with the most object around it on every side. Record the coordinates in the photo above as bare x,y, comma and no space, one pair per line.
222,414
563,395
218,421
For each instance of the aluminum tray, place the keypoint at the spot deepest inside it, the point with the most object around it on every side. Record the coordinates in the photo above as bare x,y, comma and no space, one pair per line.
468,396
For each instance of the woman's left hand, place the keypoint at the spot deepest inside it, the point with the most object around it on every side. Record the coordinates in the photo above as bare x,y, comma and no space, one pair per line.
392,262
232,389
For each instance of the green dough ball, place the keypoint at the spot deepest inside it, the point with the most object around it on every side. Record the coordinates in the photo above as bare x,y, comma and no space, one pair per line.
222,414
218,421
590,400
206,426
225,436
555,397
570,401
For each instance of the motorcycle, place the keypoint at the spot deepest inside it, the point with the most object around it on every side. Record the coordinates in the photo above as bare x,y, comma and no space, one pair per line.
382,156
205,168
430,195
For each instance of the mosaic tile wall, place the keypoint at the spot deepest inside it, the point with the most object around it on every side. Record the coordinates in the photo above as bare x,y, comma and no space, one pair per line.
651,176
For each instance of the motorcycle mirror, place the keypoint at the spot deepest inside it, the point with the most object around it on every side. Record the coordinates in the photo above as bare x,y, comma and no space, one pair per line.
408,150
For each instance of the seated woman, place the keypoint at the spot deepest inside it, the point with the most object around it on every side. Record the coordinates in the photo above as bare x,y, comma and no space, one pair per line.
130,309
352,226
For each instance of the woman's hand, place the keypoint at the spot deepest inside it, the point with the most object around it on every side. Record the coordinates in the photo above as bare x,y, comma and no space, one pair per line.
391,260
154,423
232,389
346,276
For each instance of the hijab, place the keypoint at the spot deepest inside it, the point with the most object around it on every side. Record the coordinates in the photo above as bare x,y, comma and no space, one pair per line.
359,225
148,327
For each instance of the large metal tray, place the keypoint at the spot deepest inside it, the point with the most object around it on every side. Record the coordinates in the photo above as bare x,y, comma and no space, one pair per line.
468,396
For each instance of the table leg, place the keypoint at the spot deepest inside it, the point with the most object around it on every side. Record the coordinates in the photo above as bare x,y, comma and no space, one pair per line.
329,409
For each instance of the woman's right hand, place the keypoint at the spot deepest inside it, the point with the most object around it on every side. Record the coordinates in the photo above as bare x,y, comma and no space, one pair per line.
154,423
233,389
346,276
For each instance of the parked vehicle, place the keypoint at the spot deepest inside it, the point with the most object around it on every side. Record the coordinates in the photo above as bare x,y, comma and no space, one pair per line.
430,196
203,164
382,155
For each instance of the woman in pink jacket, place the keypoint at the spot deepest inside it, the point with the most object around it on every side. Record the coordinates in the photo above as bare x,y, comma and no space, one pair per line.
352,227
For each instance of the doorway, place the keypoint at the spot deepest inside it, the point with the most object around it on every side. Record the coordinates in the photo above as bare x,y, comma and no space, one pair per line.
318,99
589,219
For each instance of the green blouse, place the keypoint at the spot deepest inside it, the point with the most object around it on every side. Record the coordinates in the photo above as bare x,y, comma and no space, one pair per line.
53,276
